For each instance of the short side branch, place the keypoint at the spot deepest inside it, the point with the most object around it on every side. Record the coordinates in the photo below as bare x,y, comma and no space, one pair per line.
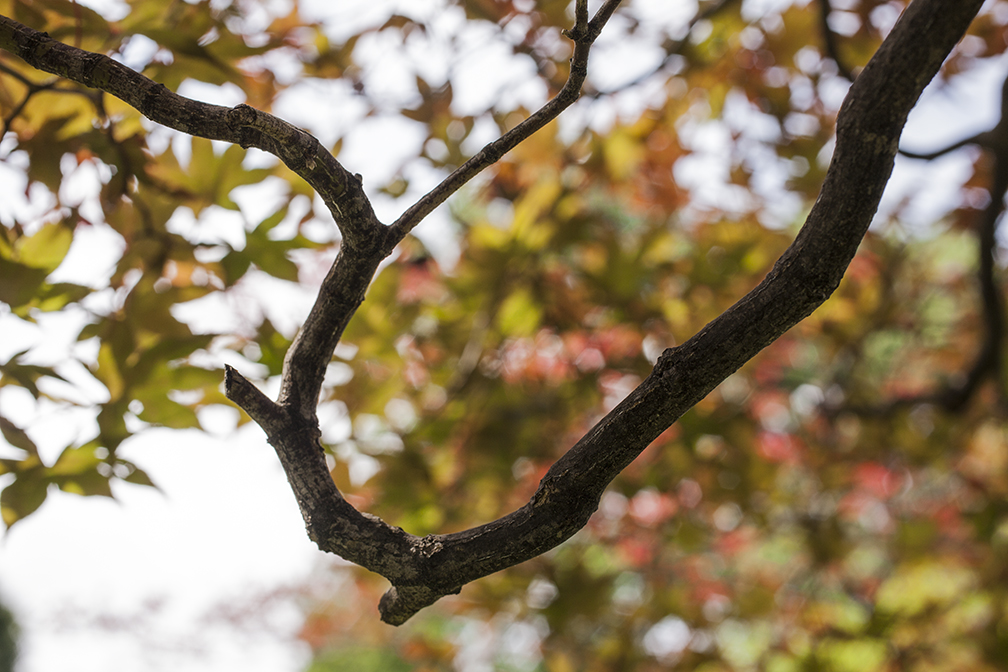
980,139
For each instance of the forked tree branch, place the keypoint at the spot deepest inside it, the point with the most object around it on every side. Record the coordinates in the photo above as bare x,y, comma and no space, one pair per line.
343,289
423,569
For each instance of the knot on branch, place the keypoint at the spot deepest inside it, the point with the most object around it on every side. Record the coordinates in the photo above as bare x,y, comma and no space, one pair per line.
242,115
150,99
35,39
296,148
665,365
578,33
428,546
91,71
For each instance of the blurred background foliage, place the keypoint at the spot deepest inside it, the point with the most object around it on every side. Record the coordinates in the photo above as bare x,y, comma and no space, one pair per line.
823,509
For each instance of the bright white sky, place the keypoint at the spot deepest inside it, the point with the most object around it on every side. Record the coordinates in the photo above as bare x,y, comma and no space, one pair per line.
224,531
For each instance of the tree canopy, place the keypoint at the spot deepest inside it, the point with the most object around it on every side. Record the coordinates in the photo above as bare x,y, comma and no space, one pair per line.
586,369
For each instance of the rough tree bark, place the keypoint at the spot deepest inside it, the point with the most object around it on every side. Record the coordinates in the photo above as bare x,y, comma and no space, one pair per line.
423,569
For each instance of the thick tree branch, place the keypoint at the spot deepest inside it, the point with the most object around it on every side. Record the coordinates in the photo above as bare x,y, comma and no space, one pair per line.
868,130
424,569
341,294
331,522
241,125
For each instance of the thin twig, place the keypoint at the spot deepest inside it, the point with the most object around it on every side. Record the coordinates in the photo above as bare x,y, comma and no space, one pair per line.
583,34
670,52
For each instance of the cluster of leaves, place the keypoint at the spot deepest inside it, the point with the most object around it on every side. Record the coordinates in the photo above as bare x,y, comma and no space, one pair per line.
780,525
